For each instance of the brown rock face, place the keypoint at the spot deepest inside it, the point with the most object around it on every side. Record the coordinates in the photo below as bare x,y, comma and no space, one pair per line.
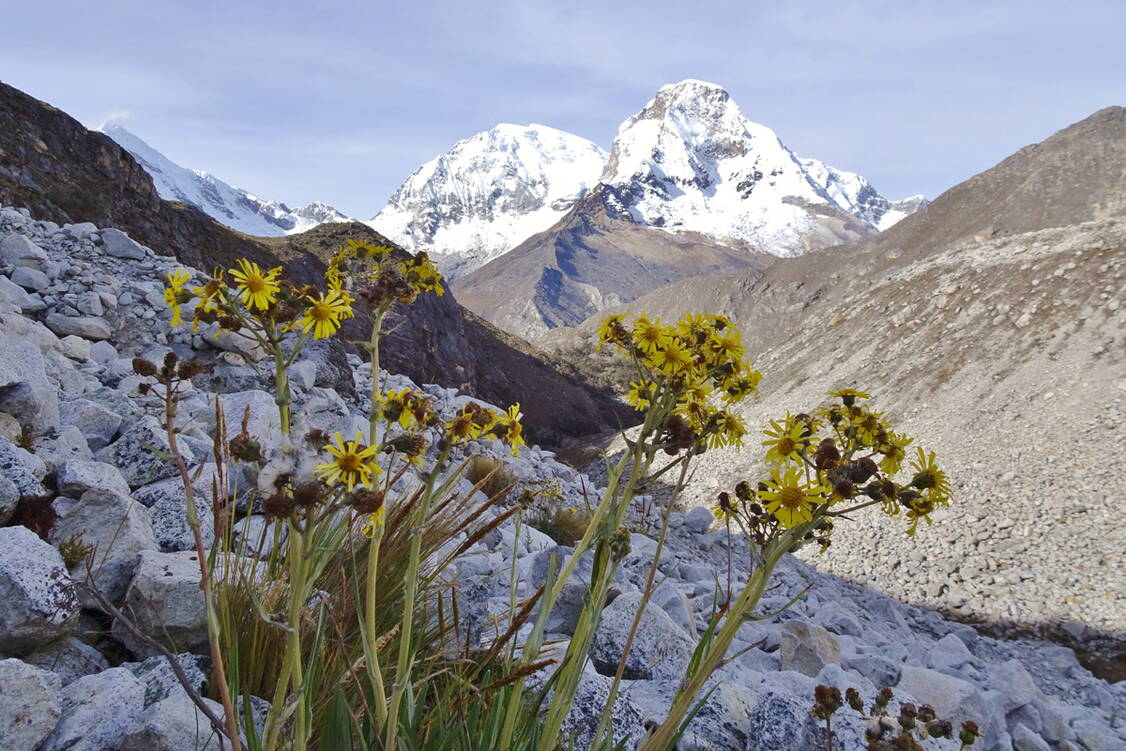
60,171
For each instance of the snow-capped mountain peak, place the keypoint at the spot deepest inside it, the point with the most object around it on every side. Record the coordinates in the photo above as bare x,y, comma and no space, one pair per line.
234,207
489,192
691,161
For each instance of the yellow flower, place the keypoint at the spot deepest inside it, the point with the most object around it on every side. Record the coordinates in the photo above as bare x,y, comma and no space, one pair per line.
725,346
674,359
790,498
353,463
611,331
692,324
737,388
651,336
894,452
324,314
257,288
640,395
785,441
731,429
172,293
931,480
698,413
725,508
509,429
374,524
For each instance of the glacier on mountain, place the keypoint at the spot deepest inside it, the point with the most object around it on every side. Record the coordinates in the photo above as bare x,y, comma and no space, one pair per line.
234,207
490,192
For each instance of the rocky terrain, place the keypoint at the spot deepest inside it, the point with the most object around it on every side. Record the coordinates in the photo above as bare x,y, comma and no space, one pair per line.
76,302
62,172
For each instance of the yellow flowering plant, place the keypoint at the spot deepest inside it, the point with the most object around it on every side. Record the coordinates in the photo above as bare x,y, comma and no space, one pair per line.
262,309
823,467
322,510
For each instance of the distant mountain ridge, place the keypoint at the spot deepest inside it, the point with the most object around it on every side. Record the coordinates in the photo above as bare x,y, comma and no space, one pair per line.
686,162
237,208
690,187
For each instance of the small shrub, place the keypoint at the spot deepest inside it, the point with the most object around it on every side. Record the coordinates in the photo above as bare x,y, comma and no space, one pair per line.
564,525
493,477
74,551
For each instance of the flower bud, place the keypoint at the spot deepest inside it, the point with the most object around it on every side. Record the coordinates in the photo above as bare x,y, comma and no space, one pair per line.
245,448
939,729
308,494
367,501
852,696
143,367
827,456
279,505
969,734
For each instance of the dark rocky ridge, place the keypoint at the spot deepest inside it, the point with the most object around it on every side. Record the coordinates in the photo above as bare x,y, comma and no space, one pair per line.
62,172
595,256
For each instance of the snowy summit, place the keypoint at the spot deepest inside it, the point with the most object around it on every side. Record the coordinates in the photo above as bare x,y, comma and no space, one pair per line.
490,192
690,161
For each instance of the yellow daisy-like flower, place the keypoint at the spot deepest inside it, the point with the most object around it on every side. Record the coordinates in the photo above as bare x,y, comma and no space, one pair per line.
462,428
784,442
894,452
176,282
738,388
928,478
790,498
732,428
725,508
324,314
640,395
726,345
651,336
353,463
509,429
692,324
697,413
674,359
256,288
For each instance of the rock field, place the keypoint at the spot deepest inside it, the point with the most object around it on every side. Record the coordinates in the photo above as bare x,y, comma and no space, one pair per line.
78,302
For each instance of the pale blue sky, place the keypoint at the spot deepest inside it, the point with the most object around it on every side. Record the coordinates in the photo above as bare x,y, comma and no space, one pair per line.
335,101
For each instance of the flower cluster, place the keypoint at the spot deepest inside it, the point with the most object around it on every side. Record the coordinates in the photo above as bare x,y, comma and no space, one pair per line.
693,373
259,299
842,454
378,278
906,730
474,421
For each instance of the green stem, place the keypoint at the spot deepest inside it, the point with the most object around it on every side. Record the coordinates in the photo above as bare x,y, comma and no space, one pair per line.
646,594
662,738
214,633
376,386
370,637
410,593
283,397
